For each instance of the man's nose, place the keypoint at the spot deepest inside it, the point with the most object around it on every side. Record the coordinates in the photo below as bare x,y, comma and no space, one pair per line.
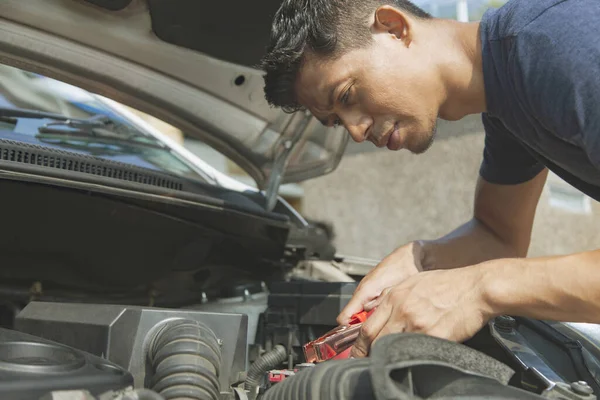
358,127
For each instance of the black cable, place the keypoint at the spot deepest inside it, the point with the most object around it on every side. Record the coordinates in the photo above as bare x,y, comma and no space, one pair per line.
268,361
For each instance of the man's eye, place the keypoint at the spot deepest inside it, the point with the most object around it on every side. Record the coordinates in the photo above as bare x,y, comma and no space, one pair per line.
345,96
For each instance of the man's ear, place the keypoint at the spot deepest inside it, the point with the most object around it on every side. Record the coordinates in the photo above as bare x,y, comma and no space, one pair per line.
393,21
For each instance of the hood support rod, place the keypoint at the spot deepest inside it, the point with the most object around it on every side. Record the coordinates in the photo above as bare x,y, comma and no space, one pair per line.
286,146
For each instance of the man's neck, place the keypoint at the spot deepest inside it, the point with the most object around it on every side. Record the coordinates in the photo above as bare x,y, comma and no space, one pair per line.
461,70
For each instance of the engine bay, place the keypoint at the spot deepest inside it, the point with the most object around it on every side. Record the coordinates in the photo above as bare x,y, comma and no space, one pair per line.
98,302
248,345
120,283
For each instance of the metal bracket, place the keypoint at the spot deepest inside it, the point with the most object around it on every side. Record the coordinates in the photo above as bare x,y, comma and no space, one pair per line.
240,394
280,163
502,329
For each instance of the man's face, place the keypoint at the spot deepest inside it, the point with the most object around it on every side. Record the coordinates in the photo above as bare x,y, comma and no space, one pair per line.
386,92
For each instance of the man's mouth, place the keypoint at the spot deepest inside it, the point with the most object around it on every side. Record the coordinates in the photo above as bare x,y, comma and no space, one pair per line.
392,140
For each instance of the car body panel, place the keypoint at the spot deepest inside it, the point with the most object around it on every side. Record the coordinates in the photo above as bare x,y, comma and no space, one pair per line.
116,54
20,89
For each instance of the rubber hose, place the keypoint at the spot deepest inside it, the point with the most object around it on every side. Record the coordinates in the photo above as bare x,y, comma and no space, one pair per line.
186,357
266,362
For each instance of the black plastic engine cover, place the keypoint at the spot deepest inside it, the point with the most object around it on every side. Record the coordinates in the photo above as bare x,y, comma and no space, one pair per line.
312,303
30,367
299,312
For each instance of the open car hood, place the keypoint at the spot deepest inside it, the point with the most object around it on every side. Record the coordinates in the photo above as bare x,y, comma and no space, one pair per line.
187,62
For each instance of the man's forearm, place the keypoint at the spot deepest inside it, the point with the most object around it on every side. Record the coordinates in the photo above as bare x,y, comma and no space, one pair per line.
562,288
471,243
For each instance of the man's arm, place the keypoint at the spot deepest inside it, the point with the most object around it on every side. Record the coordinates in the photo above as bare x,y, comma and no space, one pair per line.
559,288
501,227
454,304
493,244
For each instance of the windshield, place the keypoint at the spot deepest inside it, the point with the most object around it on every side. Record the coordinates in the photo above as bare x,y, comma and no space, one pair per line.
118,140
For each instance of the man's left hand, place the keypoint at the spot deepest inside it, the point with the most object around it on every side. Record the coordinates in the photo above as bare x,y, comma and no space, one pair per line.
449,304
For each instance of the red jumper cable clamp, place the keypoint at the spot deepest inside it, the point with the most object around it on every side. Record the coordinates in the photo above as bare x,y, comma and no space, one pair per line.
336,343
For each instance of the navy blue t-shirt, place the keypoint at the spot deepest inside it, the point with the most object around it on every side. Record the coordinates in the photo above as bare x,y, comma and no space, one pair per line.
541,65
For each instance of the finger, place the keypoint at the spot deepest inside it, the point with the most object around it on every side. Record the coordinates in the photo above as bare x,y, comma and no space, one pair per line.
361,301
361,295
396,327
376,301
355,305
369,331
372,304
399,324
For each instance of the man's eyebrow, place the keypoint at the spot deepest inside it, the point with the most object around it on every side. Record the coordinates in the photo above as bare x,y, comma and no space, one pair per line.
330,101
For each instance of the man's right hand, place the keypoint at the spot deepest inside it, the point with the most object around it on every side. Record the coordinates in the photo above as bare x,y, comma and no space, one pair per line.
392,270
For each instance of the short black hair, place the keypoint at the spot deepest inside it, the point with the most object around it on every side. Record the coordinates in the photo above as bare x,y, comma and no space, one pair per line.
323,27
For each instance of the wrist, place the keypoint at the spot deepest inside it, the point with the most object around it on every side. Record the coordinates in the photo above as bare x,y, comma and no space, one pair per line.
499,286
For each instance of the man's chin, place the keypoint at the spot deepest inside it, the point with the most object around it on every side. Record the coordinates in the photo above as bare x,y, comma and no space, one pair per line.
425,142
423,147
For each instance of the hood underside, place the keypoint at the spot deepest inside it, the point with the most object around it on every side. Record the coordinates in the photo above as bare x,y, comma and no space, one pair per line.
187,62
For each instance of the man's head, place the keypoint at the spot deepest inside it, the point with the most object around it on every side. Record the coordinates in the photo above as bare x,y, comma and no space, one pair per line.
365,64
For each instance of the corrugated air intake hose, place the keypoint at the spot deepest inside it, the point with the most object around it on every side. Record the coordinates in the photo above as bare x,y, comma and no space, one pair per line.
186,357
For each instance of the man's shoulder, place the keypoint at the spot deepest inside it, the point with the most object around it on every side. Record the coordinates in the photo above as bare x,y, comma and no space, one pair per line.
543,52
518,16
542,69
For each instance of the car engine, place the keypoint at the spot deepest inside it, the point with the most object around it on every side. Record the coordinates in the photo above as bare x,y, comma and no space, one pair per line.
249,346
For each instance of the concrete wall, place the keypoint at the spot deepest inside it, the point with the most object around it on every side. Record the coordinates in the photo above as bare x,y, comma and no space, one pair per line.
380,199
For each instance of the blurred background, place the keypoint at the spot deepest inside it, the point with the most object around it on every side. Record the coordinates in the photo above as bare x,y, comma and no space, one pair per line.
463,10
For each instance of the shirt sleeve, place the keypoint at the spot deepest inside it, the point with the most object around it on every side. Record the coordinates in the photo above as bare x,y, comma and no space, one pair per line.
505,160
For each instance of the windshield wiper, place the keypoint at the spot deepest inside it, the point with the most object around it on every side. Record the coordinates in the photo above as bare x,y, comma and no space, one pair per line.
97,121
96,126
95,132
6,112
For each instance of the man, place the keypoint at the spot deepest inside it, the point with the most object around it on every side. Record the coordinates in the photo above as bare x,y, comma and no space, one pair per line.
386,70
